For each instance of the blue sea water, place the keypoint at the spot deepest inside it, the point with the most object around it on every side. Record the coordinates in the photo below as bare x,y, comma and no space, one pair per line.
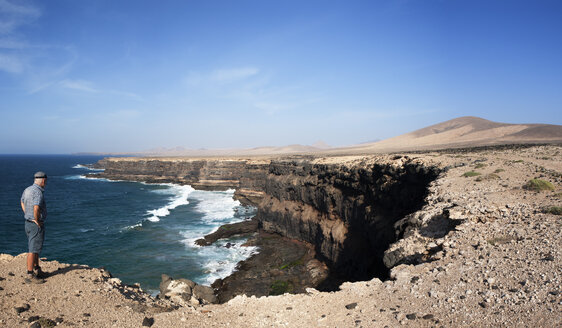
135,230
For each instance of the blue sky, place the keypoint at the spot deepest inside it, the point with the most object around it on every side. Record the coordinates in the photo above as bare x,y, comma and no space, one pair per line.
115,76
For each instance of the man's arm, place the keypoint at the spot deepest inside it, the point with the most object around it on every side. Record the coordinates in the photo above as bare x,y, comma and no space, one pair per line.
22,207
37,214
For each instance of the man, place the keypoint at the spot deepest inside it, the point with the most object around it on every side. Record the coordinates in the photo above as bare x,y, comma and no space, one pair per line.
35,213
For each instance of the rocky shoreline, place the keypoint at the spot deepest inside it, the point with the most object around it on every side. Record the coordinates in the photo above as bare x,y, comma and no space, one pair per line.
482,249
282,265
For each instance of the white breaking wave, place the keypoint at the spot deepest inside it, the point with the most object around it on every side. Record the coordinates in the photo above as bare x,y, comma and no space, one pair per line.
217,208
180,194
221,261
216,205
80,166
131,226
74,177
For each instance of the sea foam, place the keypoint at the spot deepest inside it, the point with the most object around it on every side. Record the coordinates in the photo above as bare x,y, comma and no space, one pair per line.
80,166
217,208
216,205
179,197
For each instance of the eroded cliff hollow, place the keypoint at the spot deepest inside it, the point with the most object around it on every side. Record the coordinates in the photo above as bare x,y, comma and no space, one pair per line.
346,211
346,208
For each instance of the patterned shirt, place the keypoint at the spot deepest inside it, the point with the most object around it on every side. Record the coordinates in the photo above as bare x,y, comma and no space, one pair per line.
33,195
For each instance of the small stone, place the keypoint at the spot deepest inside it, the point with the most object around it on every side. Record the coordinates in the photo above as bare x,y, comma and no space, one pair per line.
351,306
22,308
86,314
36,324
46,323
33,318
428,316
411,316
147,322
483,305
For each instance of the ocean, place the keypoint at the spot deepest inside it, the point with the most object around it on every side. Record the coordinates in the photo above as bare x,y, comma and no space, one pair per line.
135,230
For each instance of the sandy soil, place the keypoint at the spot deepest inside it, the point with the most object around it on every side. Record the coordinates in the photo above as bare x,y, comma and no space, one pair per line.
495,260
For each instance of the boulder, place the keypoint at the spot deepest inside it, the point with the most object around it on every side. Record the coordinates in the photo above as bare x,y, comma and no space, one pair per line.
205,294
185,292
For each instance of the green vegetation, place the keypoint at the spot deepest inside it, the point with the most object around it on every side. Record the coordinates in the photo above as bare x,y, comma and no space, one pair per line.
546,158
558,195
280,287
499,170
538,185
292,264
480,165
517,161
556,210
471,174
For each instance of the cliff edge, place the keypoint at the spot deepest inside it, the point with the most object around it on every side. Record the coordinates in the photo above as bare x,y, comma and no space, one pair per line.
482,248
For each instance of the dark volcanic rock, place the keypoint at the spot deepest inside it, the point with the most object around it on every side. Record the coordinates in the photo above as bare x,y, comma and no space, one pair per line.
22,308
148,322
229,230
33,318
281,266
344,210
245,176
351,306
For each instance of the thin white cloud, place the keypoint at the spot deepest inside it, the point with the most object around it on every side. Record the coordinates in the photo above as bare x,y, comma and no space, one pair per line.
12,44
13,15
79,85
11,63
18,9
221,76
125,94
248,87
233,74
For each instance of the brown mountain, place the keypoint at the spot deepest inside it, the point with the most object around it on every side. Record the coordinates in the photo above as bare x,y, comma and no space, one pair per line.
465,131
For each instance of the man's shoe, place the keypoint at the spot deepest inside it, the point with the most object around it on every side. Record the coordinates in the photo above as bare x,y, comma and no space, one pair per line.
39,273
33,279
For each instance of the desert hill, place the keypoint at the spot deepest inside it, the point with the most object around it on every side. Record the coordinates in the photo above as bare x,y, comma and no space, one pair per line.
467,131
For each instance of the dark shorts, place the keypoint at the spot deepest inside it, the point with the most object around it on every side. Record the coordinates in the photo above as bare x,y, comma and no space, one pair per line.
35,236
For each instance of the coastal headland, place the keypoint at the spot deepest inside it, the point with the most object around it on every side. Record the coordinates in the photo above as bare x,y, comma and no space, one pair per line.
440,238
456,224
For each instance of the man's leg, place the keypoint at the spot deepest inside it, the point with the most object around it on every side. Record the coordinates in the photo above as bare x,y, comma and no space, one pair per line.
35,260
35,243
30,261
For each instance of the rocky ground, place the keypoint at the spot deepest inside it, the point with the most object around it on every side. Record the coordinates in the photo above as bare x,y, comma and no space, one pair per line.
485,251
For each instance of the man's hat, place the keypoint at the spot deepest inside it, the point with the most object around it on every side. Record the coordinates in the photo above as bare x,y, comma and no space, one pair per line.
40,175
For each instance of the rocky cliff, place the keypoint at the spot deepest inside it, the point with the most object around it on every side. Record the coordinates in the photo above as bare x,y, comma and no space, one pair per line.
244,175
346,209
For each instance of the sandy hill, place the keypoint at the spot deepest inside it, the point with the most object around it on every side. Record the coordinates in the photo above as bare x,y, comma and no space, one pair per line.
465,131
